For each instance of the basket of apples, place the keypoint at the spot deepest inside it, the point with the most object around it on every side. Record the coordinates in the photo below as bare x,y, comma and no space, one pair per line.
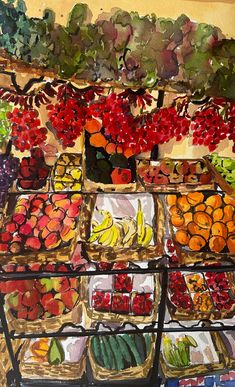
41,304
40,227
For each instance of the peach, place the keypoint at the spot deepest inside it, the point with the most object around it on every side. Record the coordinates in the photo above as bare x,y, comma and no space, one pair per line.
42,222
53,212
44,233
20,210
56,197
196,243
228,213
5,236
52,241
63,203
18,218
33,243
54,225
231,226
32,221
69,222
214,201
15,247
11,227
25,229
67,233
73,210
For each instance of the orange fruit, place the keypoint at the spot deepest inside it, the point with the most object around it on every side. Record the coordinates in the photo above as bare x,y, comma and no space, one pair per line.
231,243
209,210
219,228
92,125
110,148
217,243
231,226
177,220
214,201
98,140
119,149
229,200
228,213
174,210
183,203
195,198
129,152
217,214
194,229
171,200
188,217
196,243
182,237
202,219
200,207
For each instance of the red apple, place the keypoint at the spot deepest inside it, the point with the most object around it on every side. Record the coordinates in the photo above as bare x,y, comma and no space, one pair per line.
70,298
5,237
3,247
54,225
18,218
25,229
56,197
61,284
24,285
63,203
22,313
160,179
31,298
121,176
73,283
167,166
42,222
35,312
14,301
44,285
45,299
15,247
11,227
205,178
55,307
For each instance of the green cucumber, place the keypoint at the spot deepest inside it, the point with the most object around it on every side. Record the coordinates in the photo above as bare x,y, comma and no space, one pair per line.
96,349
131,344
105,357
147,338
117,353
109,353
125,351
140,345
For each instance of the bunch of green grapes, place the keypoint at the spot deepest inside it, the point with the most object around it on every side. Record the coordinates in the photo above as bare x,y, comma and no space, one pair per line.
5,125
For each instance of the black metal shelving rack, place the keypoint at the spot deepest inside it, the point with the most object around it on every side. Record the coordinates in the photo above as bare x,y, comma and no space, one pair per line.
158,327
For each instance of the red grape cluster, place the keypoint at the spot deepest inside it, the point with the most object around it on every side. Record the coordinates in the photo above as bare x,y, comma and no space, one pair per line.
68,115
209,127
26,128
231,123
139,133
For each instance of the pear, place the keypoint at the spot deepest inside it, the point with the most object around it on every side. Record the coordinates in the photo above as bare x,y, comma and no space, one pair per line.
56,352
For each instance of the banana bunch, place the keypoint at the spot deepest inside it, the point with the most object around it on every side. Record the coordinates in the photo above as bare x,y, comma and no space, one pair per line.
125,232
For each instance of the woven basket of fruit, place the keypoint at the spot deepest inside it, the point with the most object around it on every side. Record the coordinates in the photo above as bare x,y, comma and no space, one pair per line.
186,355
33,173
106,166
123,227
208,295
52,358
122,297
170,175
67,173
223,170
5,361
41,227
202,225
131,356
43,305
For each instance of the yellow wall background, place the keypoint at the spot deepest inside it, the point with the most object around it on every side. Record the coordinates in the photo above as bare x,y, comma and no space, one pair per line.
218,12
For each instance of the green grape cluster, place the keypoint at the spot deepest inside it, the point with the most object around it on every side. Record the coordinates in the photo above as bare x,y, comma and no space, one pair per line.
5,125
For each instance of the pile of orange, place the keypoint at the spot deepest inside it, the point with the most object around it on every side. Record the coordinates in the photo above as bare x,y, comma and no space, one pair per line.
203,222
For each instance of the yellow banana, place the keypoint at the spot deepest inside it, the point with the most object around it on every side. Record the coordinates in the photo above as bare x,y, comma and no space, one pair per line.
131,232
106,237
147,237
106,222
116,238
140,223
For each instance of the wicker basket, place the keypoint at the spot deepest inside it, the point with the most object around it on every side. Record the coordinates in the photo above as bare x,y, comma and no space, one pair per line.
5,361
100,253
224,185
60,254
182,314
51,324
200,369
171,187
64,371
138,372
116,317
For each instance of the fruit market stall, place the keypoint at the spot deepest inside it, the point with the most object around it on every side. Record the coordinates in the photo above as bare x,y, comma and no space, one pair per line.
116,264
